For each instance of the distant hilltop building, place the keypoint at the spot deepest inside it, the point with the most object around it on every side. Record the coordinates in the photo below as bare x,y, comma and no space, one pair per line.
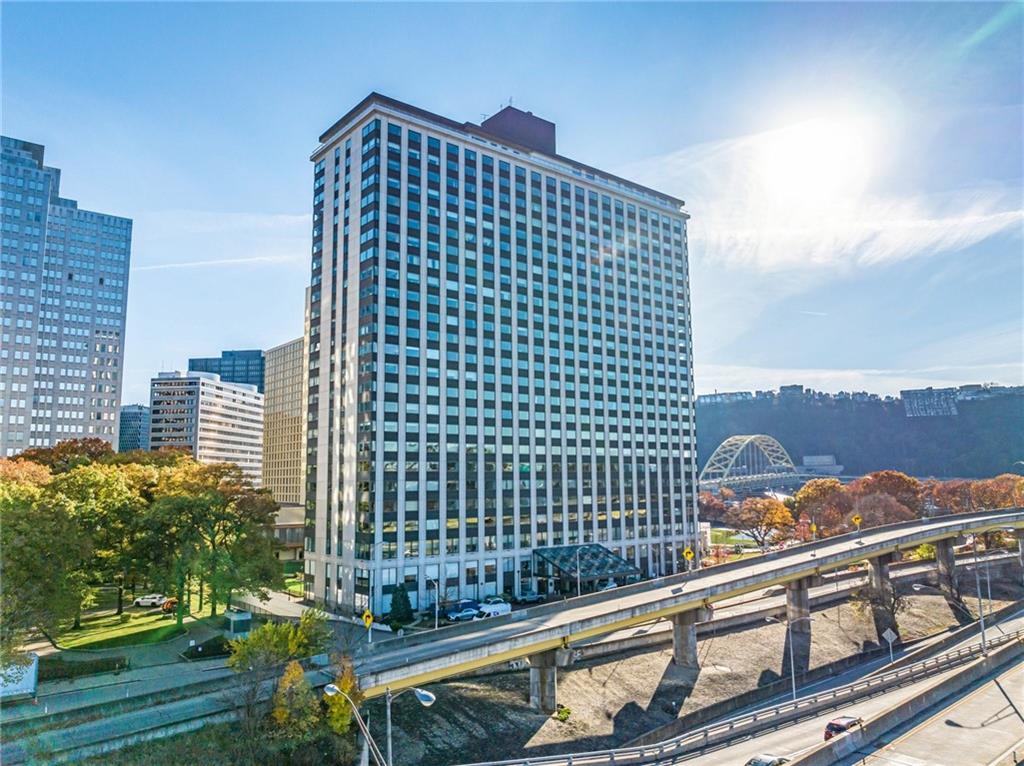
65,285
134,428
968,431
234,366
217,421
725,397
938,402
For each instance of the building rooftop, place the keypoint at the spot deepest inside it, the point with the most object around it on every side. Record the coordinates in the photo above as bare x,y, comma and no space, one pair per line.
512,128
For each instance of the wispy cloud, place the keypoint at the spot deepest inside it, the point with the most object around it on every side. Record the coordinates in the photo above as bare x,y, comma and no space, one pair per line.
813,313
719,377
184,239
739,220
221,262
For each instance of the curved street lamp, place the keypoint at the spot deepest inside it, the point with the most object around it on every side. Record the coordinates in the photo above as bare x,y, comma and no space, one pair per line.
789,640
424,697
332,690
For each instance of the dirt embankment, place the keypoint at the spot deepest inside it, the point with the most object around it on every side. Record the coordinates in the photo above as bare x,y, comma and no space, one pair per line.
615,699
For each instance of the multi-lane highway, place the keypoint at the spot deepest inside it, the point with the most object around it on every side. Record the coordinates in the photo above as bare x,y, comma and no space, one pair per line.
792,739
421,659
980,728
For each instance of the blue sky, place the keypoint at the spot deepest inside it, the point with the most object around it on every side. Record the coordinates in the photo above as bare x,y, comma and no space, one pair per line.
854,171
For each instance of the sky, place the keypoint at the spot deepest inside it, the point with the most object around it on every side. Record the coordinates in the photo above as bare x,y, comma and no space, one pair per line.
853,171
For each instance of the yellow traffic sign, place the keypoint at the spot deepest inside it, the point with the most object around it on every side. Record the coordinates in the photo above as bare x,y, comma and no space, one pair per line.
368,618
857,520
688,554
814,527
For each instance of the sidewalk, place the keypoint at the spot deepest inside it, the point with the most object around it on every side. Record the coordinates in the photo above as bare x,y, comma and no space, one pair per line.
72,694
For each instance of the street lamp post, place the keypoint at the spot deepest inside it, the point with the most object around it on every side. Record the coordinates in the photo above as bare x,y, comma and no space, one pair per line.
424,697
577,572
332,690
789,640
437,596
981,608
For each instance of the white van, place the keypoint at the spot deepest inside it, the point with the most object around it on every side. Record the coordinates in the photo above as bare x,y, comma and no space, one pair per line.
493,610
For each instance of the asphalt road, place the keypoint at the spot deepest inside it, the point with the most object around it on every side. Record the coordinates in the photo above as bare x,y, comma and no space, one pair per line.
438,655
979,728
792,739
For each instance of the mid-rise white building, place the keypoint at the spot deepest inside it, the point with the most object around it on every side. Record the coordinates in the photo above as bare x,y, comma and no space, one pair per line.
499,364
219,422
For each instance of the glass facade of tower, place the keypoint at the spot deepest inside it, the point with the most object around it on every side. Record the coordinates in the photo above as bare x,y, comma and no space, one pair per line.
63,286
234,367
499,361
133,428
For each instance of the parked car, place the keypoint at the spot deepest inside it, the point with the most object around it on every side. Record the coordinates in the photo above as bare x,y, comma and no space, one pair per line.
841,725
606,585
494,600
468,613
169,605
530,597
152,599
767,760
493,610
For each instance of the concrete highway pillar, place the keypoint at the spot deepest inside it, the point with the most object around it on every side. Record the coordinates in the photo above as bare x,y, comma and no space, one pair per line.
544,680
878,580
945,563
878,575
798,605
1020,551
684,636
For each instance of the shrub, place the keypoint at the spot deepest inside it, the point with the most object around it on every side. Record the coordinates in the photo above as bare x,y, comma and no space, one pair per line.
296,708
401,608
218,646
54,668
563,713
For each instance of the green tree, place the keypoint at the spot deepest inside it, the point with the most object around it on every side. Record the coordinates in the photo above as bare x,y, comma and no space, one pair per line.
401,608
296,709
41,548
108,505
230,526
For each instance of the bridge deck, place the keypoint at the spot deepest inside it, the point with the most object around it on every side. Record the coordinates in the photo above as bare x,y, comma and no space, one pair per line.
427,657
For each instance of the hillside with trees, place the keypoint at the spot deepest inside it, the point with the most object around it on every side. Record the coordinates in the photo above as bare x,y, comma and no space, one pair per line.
984,439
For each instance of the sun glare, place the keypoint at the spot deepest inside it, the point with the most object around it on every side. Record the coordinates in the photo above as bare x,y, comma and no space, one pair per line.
818,163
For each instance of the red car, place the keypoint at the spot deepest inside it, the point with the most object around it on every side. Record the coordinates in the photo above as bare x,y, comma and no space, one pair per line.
841,725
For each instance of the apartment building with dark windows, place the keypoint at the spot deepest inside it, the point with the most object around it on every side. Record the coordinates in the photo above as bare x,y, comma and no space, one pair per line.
499,361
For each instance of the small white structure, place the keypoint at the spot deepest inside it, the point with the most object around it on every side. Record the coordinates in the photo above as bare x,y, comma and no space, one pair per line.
19,681
239,623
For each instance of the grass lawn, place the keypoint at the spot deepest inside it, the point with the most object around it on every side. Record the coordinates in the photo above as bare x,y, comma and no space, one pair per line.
294,585
146,626
730,537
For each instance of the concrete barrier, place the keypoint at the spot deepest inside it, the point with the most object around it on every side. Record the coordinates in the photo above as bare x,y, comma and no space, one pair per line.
838,748
952,638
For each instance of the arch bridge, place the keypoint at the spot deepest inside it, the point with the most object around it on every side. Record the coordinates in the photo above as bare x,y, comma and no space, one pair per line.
748,461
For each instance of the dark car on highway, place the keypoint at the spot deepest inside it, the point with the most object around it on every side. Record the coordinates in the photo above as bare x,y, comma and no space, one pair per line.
841,725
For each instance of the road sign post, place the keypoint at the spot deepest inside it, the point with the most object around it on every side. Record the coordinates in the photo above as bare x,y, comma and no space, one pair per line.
368,622
688,555
857,520
890,636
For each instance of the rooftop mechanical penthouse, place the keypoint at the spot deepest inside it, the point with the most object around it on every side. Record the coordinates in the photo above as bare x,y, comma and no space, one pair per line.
499,363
